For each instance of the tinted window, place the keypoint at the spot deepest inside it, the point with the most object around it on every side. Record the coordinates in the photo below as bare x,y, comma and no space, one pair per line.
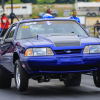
47,28
11,33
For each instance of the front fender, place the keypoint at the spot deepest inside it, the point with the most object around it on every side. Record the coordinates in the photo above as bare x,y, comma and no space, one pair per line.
17,51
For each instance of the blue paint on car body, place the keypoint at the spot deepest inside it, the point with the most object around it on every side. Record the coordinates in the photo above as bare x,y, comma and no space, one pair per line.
58,63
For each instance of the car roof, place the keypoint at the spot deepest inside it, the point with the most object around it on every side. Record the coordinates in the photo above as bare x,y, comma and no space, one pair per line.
47,19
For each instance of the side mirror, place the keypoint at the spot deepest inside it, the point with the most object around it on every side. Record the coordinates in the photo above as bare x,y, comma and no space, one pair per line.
8,40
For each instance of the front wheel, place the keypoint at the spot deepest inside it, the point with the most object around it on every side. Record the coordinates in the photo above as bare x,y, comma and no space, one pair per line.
96,78
21,77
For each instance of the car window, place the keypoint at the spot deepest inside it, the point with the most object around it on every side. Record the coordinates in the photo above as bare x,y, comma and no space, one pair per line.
11,33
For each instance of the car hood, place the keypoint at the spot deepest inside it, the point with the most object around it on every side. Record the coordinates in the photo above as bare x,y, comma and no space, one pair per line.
58,41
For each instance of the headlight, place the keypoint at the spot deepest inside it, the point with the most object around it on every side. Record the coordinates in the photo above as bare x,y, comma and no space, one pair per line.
92,49
38,52
29,52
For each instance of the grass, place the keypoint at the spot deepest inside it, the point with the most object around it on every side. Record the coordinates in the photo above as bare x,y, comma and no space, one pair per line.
60,11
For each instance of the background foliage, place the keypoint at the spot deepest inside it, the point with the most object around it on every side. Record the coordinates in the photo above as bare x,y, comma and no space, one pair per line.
44,1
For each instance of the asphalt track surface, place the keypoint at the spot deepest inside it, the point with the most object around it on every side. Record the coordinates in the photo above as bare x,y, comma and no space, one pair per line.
53,90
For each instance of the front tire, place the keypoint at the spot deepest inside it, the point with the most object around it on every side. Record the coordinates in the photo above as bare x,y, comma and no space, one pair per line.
96,78
74,81
5,81
21,77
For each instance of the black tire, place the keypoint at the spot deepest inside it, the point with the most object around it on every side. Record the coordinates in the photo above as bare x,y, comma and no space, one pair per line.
21,77
96,78
5,81
88,15
75,81
93,14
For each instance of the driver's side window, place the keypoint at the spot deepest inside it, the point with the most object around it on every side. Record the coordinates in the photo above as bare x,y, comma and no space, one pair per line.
11,32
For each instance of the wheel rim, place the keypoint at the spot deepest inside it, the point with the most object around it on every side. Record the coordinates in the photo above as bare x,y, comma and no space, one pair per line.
88,15
17,77
93,15
96,78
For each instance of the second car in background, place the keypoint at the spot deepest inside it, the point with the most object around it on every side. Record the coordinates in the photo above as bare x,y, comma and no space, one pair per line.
55,13
41,14
66,13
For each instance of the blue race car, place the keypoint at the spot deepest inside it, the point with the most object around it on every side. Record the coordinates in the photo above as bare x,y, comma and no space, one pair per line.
44,49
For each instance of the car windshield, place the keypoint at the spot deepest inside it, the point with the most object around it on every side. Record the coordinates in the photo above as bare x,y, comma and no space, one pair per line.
49,28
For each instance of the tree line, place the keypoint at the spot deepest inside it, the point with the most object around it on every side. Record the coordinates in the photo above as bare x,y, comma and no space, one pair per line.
45,1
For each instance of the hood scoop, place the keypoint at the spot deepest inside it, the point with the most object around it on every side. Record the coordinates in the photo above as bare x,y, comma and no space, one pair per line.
62,41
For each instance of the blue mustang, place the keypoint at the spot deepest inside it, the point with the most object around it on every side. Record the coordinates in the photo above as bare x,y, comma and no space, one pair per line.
44,49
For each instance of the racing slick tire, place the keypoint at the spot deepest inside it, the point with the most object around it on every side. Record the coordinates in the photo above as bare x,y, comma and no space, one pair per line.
74,81
21,77
96,78
5,81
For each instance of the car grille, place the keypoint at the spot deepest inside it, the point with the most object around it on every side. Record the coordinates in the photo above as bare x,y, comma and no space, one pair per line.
71,51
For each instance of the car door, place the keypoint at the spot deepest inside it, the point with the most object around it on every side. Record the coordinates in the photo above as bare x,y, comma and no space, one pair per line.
6,49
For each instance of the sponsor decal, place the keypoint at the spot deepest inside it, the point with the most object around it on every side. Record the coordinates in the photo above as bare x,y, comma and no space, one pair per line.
15,7
24,27
48,23
23,65
27,24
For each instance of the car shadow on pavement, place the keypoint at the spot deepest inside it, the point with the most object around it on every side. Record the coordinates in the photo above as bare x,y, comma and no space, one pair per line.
46,90
60,91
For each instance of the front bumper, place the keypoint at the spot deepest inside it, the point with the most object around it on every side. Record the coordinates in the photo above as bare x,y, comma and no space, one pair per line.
62,63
